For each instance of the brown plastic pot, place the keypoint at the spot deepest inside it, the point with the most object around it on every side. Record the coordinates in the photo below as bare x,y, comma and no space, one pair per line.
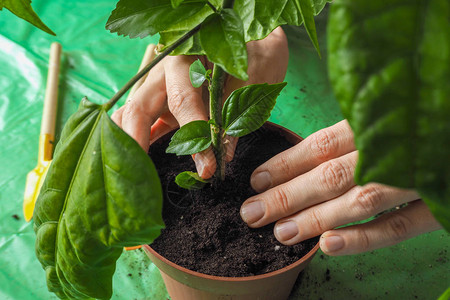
185,284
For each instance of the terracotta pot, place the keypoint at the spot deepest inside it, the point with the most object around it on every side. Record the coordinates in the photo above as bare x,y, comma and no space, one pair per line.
184,284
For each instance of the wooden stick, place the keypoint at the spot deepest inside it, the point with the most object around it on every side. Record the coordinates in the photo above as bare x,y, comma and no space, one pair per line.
51,92
148,57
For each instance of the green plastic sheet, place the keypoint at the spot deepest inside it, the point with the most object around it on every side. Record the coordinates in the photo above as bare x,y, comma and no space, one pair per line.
96,64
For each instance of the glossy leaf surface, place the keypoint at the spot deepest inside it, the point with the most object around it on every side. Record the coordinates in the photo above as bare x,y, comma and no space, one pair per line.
135,18
222,39
23,9
176,3
101,193
247,108
191,138
389,65
197,73
190,180
259,17
172,33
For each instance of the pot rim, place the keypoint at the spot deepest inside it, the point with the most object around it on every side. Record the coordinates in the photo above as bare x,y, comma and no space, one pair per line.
311,253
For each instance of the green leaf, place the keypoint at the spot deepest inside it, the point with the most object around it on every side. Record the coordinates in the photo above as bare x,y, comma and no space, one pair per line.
318,5
307,12
222,39
141,18
191,138
197,73
445,295
259,17
190,180
101,193
292,16
389,63
176,3
247,108
171,34
23,9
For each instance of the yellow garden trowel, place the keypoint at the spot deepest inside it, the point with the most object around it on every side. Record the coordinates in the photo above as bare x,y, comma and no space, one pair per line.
47,137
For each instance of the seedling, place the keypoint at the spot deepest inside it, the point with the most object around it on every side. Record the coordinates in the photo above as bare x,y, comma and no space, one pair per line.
245,110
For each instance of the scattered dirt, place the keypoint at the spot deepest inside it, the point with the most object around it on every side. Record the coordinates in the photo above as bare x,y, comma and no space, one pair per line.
204,231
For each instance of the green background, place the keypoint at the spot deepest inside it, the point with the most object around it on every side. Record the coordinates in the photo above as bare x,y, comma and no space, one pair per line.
96,64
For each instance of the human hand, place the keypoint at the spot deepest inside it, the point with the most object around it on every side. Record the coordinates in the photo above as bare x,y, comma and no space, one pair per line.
168,100
309,190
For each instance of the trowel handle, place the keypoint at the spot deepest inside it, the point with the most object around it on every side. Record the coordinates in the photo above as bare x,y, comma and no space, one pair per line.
149,55
51,92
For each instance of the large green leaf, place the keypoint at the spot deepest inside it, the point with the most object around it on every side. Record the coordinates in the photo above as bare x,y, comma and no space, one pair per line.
191,138
172,33
247,108
292,16
23,9
137,18
101,193
389,63
259,17
303,10
222,39
176,3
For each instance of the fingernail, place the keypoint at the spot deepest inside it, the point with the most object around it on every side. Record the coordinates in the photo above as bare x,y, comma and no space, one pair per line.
332,243
252,212
261,181
286,231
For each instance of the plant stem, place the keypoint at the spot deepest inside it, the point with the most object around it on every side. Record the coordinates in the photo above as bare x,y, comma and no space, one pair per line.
215,108
212,6
147,68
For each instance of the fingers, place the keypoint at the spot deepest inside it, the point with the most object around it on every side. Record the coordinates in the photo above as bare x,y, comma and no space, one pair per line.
270,53
325,182
137,116
163,125
185,102
387,230
359,203
319,147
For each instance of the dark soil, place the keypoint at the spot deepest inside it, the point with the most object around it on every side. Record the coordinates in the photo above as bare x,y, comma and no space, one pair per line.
204,231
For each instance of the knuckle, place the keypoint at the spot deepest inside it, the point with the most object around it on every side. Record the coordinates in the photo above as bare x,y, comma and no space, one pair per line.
178,99
335,175
323,144
368,200
281,201
317,221
284,165
130,111
362,240
398,226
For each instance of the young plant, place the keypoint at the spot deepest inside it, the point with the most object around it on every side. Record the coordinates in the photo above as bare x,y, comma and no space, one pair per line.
245,110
